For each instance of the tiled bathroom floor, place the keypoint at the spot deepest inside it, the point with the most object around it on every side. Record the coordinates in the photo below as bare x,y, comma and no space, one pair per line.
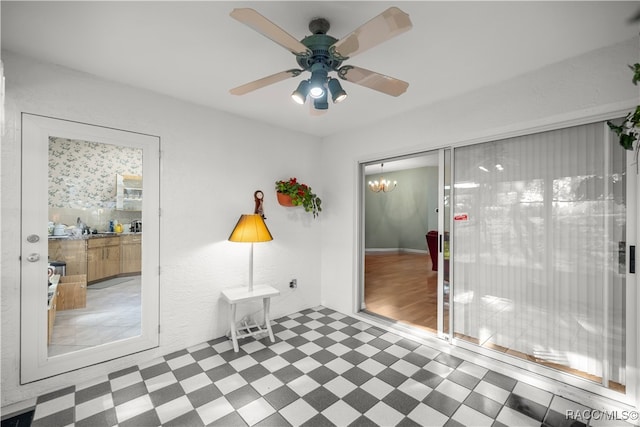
324,369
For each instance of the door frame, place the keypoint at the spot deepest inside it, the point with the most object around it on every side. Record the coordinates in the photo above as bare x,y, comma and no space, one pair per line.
359,296
35,363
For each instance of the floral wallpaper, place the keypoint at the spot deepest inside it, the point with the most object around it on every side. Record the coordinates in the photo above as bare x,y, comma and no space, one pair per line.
82,174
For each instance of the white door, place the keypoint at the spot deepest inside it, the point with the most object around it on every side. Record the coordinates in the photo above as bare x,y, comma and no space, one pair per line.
39,186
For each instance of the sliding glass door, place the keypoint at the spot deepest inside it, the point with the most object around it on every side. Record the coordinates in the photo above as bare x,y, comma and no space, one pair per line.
527,254
444,242
539,246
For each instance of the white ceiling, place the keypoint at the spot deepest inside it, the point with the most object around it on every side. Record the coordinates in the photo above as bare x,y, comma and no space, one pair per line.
196,52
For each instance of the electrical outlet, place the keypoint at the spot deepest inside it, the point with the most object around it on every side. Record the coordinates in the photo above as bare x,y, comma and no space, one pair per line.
293,283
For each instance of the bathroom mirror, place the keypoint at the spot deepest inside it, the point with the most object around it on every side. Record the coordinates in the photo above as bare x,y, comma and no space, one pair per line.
87,190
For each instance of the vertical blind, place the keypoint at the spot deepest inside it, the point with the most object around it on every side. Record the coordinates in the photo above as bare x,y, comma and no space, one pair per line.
536,263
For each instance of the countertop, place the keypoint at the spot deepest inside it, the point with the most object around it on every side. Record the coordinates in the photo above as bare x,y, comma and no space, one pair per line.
92,236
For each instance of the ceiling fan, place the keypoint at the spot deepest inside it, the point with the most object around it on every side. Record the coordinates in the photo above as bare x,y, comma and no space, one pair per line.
321,54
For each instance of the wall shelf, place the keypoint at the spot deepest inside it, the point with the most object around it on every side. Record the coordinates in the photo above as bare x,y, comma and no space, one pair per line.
129,192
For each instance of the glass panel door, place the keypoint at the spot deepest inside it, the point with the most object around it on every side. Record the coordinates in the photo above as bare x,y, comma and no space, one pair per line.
101,295
400,241
539,224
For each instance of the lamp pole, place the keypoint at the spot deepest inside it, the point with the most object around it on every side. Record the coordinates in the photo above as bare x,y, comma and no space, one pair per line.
251,268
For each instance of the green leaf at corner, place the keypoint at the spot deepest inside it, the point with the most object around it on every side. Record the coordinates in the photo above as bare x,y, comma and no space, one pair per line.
627,141
636,73
615,128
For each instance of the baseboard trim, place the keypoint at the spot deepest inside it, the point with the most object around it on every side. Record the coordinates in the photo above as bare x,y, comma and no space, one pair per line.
395,251
18,408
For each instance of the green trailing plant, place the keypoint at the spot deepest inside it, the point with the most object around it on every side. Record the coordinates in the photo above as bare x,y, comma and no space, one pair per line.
301,195
629,130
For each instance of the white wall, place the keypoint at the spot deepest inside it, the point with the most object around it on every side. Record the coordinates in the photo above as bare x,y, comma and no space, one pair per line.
585,86
211,164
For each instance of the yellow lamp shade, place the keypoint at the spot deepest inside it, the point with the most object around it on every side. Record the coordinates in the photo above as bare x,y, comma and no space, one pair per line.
250,229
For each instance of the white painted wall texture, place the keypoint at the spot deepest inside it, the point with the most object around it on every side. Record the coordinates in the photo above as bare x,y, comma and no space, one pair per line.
211,164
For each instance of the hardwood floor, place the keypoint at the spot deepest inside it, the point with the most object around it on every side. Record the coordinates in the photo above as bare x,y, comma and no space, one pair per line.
402,287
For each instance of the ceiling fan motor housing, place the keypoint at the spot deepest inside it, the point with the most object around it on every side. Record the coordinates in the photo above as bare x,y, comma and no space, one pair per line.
319,45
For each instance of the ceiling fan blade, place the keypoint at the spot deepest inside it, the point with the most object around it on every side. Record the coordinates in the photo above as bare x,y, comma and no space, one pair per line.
265,81
268,29
373,80
383,27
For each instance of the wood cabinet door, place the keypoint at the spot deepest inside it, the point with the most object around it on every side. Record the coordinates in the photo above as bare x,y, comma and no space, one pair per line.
131,254
72,252
65,298
80,295
75,255
95,267
71,295
111,260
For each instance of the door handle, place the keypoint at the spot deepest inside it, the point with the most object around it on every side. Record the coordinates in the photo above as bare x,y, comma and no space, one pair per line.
33,258
632,259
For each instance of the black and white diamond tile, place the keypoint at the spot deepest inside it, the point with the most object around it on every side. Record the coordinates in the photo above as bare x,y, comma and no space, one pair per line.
324,369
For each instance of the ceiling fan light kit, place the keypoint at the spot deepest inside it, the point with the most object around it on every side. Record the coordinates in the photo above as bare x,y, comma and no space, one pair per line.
321,54
318,80
337,93
321,102
300,94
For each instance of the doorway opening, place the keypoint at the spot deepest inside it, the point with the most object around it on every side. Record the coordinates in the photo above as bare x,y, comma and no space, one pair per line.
401,256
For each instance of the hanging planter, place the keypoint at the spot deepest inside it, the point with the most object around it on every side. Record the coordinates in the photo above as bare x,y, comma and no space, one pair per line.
284,199
629,130
293,193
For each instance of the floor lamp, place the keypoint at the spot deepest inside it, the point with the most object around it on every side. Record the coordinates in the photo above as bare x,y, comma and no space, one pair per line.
250,229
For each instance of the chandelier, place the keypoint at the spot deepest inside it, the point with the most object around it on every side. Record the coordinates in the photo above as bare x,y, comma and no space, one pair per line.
383,185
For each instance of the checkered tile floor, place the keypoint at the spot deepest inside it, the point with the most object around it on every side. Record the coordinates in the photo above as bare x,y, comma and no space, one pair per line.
324,369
